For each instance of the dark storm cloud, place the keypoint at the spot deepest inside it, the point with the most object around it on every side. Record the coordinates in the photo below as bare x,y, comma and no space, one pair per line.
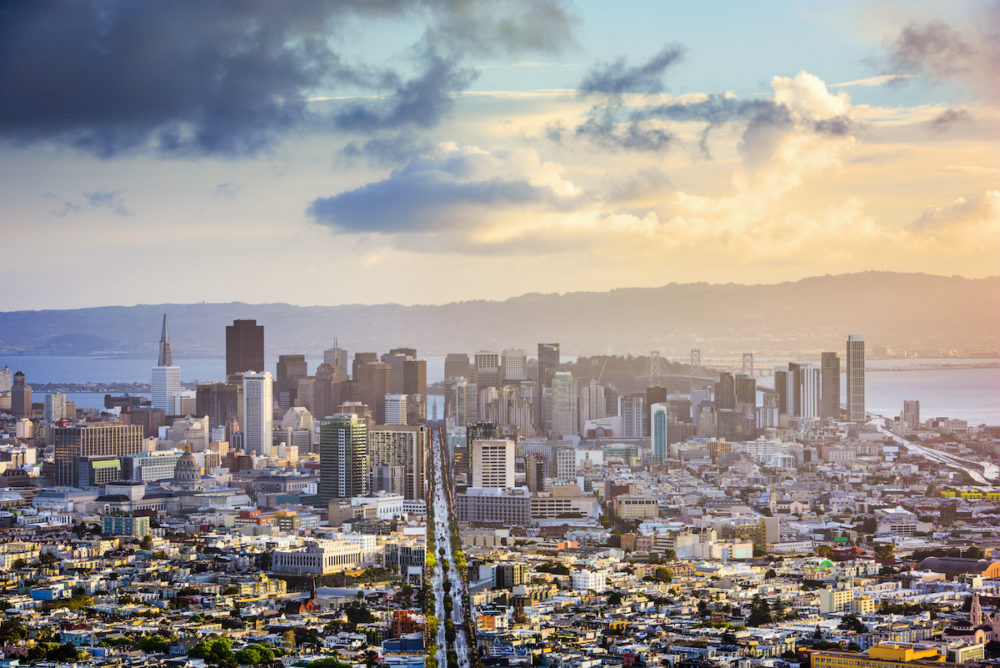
617,78
603,128
497,27
420,101
940,52
432,193
948,118
382,151
227,77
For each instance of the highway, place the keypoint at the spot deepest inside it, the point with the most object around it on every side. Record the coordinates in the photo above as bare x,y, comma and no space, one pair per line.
984,473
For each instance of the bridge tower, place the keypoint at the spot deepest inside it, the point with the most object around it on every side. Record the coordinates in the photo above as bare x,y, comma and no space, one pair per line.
748,364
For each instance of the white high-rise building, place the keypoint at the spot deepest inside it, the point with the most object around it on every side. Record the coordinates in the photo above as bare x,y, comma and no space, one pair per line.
6,379
166,380
492,463
592,404
513,364
395,409
55,407
810,392
258,412
563,403
856,378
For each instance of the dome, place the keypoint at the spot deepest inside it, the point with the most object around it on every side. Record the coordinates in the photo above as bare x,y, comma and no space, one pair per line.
187,469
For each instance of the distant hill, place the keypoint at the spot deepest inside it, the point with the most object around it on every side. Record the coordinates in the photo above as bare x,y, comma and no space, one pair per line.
919,312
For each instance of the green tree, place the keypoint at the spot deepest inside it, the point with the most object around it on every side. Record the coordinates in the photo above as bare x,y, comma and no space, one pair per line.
760,612
146,543
615,599
12,632
770,574
153,644
254,655
851,622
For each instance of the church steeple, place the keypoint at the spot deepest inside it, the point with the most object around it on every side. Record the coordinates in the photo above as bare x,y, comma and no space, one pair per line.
975,612
166,358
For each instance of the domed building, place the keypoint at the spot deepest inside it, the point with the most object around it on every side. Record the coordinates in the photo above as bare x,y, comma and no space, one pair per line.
187,472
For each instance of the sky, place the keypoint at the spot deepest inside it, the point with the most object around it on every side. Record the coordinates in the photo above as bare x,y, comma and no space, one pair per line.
407,151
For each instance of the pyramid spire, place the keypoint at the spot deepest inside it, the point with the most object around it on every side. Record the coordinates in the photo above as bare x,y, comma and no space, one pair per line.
166,358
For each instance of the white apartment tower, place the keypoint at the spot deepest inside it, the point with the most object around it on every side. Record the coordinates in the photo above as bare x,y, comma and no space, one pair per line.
258,412
493,463
395,409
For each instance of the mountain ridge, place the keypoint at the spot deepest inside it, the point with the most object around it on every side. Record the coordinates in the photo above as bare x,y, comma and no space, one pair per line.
901,310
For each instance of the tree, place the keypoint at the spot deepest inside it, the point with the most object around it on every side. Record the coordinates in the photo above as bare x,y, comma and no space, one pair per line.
254,655
770,574
615,599
974,552
824,551
18,564
760,612
214,650
146,543
662,575
12,632
884,551
153,644
851,622
48,559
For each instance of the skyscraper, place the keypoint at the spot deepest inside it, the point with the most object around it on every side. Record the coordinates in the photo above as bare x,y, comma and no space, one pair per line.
6,379
856,378
633,415
564,404
336,356
829,392
244,347
395,409
258,412
343,457
289,370
725,391
548,362
219,401
20,397
487,369
401,446
360,359
513,364
55,407
456,365
809,390
166,357
376,382
658,432
165,382
911,413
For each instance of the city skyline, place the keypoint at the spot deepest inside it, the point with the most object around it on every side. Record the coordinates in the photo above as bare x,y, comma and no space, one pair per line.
583,147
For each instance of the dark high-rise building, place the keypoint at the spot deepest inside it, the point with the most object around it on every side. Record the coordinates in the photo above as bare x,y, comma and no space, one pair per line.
376,382
795,389
829,393
343,458
328,390
611,396
746,390
290,369
856,378
548,363
725,392
731,425
361,359
20,397
415,389
456,365
219,401
336,356
244,347
655,394
102,440
781,387
166,357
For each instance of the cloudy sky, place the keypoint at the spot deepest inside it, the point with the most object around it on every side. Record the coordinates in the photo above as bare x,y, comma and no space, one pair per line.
320,152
